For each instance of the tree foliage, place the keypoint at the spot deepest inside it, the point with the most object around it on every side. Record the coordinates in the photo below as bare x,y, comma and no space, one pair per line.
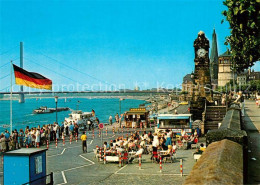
244,19
251,86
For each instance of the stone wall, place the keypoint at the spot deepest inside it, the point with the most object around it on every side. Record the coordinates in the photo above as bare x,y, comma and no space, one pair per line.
230,128
221,163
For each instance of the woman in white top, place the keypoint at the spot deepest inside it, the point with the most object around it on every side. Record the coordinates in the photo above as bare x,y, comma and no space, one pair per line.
38,137
155,145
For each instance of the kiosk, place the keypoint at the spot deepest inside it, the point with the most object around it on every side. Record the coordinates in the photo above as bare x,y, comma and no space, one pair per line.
26,165
135,117
174,122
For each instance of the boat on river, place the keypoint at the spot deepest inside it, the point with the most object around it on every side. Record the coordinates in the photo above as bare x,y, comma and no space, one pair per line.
80,117
45,110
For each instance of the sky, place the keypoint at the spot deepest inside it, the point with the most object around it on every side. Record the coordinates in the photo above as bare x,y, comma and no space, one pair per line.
93,44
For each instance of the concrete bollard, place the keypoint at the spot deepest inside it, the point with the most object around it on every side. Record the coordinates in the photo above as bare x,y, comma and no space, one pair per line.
100,154
181,168
97,151
160,163
46,144
105,157
140,161
120,160
56,143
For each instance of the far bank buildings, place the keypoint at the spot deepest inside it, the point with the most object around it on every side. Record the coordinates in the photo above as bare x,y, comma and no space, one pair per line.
221,70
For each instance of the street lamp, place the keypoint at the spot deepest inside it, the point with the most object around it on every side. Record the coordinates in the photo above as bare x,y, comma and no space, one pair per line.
56,101
120,99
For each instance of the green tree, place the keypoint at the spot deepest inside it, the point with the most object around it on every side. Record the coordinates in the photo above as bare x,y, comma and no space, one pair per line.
254,85
243,17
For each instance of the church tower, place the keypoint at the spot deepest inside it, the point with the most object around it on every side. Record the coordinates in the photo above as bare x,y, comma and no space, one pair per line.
214,58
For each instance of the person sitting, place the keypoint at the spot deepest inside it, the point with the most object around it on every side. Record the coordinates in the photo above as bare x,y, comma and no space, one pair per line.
139,152
131,145
196,140
202,147
163,143
190,142
174,147
168,153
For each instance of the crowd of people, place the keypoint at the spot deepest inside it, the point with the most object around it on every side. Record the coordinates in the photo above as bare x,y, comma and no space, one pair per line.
149,143
36,136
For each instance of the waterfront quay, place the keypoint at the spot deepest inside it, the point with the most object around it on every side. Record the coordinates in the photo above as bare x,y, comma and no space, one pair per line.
71,166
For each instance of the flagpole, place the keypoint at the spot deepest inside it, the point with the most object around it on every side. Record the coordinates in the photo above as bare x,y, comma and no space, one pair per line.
11,100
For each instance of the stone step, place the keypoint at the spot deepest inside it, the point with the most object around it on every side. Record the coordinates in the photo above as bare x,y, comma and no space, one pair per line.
213,113
212,110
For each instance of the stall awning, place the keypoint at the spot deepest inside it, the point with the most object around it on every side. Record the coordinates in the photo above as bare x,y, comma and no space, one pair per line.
174,117
135,113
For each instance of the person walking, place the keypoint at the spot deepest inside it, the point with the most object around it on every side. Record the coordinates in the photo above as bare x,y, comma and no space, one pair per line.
241,101
110,120
117,117
84,142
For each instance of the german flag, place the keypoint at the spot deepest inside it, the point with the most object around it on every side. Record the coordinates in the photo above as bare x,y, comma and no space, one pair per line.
31,79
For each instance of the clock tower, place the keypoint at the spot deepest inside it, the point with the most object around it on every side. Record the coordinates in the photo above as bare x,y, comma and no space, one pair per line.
202,82
202,72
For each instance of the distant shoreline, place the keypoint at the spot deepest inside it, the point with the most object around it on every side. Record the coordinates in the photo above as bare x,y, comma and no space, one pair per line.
144,98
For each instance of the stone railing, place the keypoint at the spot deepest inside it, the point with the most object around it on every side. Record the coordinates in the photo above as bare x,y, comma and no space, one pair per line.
225,159
230,128
221,163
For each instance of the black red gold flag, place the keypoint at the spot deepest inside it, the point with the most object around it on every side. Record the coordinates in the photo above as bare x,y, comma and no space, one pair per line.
31,79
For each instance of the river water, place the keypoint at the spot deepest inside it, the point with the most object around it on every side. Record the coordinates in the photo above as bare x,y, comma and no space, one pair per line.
23,116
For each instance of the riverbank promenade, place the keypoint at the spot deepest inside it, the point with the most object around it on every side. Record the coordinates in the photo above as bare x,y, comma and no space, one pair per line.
71,166
252,126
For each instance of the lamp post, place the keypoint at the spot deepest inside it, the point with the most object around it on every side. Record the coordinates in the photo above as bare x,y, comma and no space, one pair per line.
56,101
120,99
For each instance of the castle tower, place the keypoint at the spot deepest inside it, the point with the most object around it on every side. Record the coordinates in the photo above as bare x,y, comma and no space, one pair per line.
214,58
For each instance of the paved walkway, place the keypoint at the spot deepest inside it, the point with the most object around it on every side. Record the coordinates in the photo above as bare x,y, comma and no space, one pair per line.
71,166
252,126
